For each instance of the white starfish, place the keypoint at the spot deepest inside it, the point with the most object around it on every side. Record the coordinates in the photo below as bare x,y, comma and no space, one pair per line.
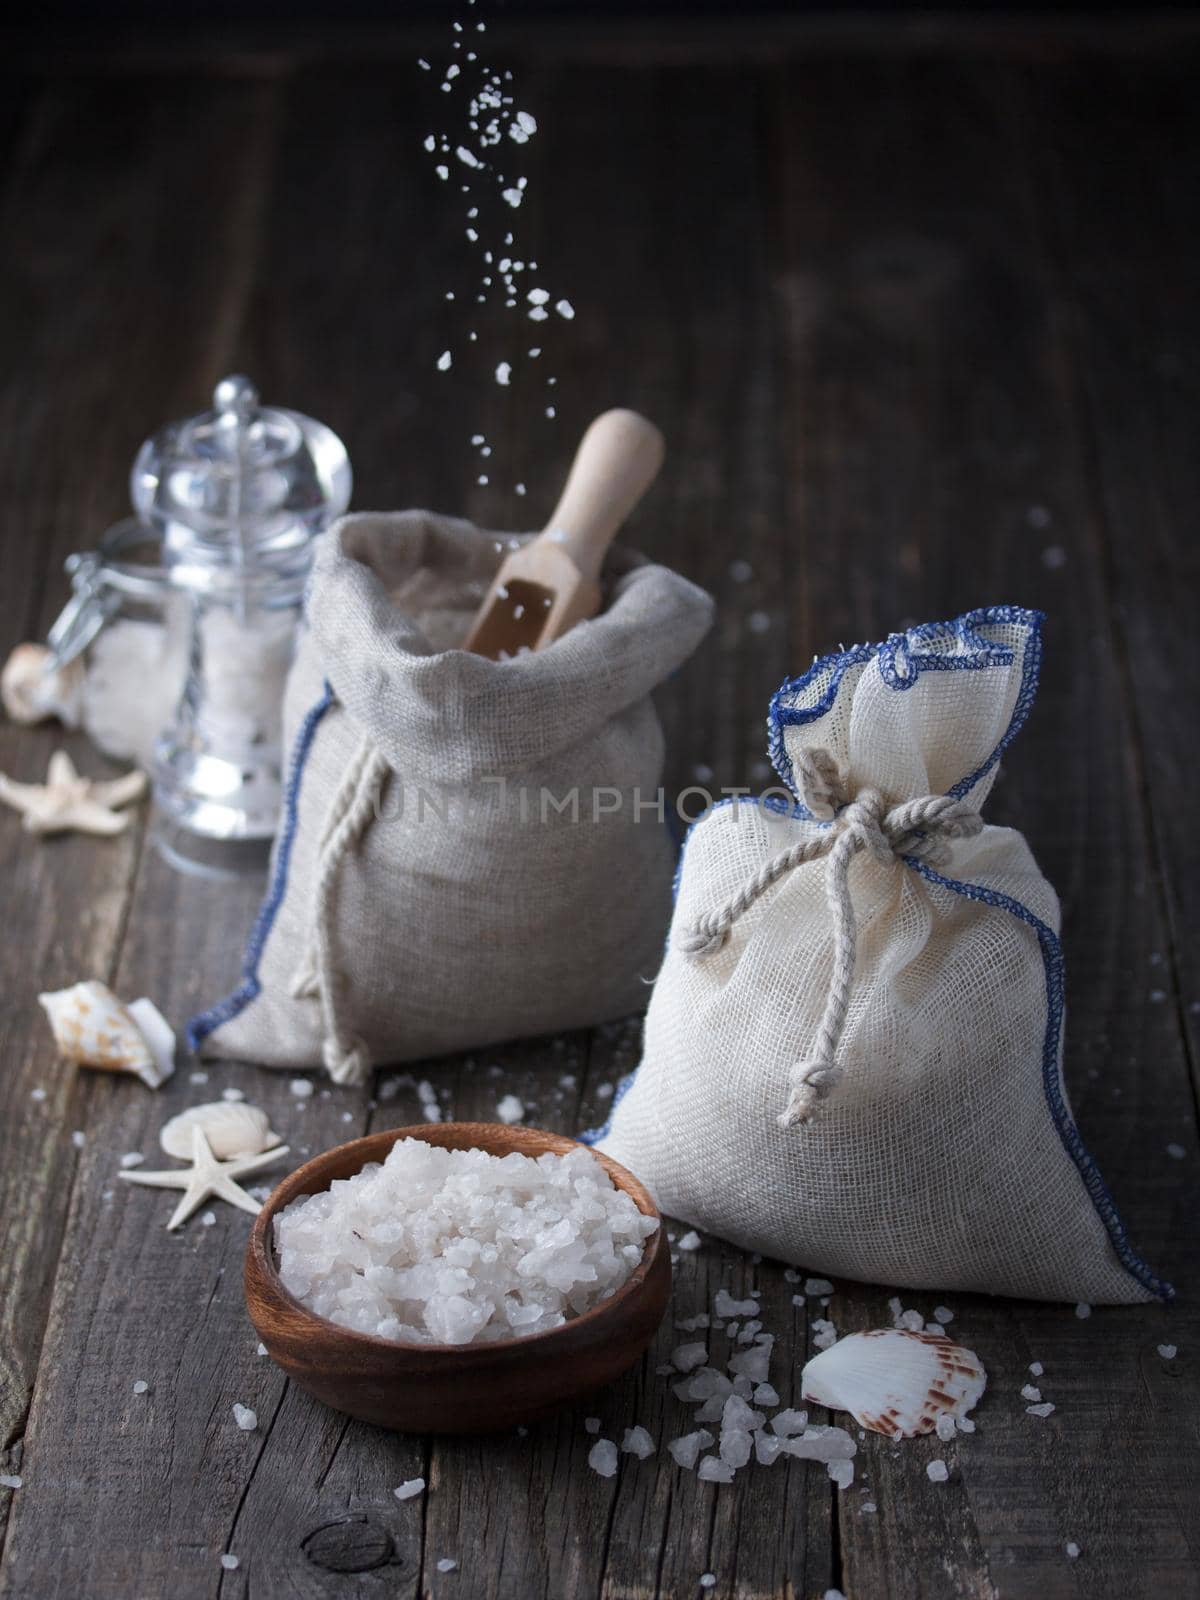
207,1177
66,801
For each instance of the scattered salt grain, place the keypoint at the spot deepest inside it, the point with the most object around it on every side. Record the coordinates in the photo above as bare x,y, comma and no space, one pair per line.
504,373
726,1306
869,1506
685,1451
230,1563
37,1094
78,1139
937,1471
767,1448
945,1427
912,1321
232,1095
1042,1410
637,1442
687,1357
824,1333
1083,1310
965,1425
1031,1392
822,1444
209,1219
132,1158
460,1246
602,1458
1072,1550
261,1351
302,1088
943,1314
1036,1368
787,1423
564,309
510,1109
141,1386
713,1470
817,1286
1168,1351
754,1364
10,1480
410,1489
246,1419
708,1580
690,1240
841,1473
765,1395
447,1564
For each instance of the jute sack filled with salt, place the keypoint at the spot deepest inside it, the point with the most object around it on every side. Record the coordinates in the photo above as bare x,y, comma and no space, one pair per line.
471,850
853,1052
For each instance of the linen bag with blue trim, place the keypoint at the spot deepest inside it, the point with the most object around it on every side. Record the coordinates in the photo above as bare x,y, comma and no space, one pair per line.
853,1052
470,850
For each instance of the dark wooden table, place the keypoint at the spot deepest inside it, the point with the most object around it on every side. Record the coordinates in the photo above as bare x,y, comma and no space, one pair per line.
916,307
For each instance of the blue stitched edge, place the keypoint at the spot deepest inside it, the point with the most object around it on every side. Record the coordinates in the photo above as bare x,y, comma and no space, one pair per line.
1052,958
250,987
900,666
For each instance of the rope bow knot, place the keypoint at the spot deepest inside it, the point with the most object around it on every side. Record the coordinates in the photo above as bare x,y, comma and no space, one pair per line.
920,829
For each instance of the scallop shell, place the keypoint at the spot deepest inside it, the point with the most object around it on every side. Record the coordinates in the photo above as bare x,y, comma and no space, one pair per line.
33,690
231,1127
94,1029
895,1382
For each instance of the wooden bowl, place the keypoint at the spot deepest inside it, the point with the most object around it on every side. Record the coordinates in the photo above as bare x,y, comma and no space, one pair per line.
445,1388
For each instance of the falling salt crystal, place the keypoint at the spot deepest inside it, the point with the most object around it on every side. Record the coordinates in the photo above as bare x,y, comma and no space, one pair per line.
708,1580
690,1240
302,1088
510,1109
602,1458
945,1427
246,1419
943,1314
1168,1351
1083,1310
1031,1392
140,1386
591,1424
817,1286
1036,1368
565,309
503,373
10,1480
758,622
452,72
841,1473
551,412
713,1470
133,1158
1043,1410
430,143
37,1094
538,314
410,1489
741,571
1072,1550
537,297
230,1563
467,157
447,1564
520,488
637,1442
1176,1152
513,196
535,352
442,172
209,1219
472,234
937,1471
232,1094
78,1139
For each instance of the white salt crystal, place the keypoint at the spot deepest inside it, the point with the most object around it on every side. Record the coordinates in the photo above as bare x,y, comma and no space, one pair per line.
896,1310
869,1506
10,1480
233,1095
1168,1351
637,1442
1031,1392
1083,1310
824,1333
685,1450
945,1427
510,1109
689,1356
198,1077
754,1364
78,1139
209,1219
943,1314
461,1247
504,373
822,1444
713,1470
537,297
965,1425
602,1458
735,1447
1072,1550
302,1088
787,1423
246,1419
708,1580
737,1414
726,1306
261,1351
467,157
132,1158
442,172
817,1286
704,1384
514,198
591,1424
447,1564
765,1395
37,1094
936,1329
937,1471
1036,1368
410,1489
564,309
230,1563
140,1386
1043,1410
767,1447
913,1321
841,1473
690,1324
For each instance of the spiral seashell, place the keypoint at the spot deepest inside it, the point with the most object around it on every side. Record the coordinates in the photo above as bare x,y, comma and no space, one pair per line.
895,1382
94,1029
231,1127
33,689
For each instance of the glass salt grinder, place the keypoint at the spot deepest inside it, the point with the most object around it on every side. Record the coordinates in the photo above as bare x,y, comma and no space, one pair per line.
237,496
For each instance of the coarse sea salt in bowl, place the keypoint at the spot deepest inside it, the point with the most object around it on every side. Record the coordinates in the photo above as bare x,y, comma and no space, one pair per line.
416,1381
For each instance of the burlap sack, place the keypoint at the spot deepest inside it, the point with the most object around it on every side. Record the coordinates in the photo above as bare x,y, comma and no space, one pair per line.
853,1053
470,850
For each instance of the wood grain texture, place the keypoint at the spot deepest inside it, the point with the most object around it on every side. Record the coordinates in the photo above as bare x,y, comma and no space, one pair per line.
914,311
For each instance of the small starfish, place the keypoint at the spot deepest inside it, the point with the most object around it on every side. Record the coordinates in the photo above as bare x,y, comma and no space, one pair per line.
207,1177
66,801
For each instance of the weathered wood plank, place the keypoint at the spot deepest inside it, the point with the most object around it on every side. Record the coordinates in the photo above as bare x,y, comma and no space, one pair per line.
100,213
936,441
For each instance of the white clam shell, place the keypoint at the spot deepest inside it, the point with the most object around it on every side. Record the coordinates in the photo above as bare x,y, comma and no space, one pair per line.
33,690
894,1381
94,1029
231,1127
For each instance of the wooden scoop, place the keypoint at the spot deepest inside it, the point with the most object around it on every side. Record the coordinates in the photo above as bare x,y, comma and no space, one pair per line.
550,584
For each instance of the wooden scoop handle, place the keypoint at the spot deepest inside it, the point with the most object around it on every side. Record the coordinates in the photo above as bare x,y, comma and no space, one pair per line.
617,461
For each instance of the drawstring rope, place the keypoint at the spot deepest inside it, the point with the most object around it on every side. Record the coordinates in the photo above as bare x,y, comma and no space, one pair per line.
344,1054
921,828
